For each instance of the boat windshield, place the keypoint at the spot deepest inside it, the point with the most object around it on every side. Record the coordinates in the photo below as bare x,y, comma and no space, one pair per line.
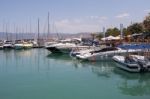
8,42
130,59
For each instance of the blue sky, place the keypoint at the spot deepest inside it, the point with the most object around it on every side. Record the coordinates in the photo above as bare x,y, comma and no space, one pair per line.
70,15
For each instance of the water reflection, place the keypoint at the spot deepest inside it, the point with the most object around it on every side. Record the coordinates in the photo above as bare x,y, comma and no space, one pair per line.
128,83
104,68
133,84
39,61
59,56
22,60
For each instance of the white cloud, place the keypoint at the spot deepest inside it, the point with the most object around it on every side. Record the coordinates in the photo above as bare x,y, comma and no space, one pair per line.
76,25
97,17
123,15
82,24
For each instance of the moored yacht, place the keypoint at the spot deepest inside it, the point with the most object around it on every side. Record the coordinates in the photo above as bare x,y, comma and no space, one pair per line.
18,44
133,63
8,45
27,45
104,53
78,51
65,46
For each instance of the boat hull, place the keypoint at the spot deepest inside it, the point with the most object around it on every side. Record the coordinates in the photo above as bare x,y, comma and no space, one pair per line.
1,47
27,46
130,67
18,46
7,47
53,50
103,55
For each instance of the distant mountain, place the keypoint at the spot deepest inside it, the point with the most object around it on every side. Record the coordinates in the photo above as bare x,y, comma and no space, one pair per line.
13,36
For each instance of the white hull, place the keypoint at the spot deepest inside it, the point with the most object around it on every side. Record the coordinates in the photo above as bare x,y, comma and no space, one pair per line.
28,45
64,47
68,49
78,51
7,46
95,56
18,46
130,66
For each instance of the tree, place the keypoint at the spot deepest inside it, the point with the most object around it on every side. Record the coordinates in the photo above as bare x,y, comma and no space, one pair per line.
146,23
112,31
135,28
116,32
125,32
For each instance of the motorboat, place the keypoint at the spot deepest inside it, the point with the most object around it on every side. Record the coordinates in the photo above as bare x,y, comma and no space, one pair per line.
60,47
65,46
133,63
35,44
102,54
77,51
27,45
8,45
18,44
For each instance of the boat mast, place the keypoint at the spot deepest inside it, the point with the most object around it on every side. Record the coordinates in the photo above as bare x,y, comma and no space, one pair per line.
6,33
38,31
48,27
30,27
17,38
3,30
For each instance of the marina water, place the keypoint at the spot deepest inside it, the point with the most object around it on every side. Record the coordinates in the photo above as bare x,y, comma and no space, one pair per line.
37,74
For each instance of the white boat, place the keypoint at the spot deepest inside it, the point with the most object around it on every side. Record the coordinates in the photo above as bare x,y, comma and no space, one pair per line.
132,63
27,45
65,46
104,53
18,44
49,44
60,47
78,51
8,45
35,43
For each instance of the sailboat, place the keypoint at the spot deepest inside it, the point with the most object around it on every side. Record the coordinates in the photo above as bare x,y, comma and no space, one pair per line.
7,44
18,43
48,44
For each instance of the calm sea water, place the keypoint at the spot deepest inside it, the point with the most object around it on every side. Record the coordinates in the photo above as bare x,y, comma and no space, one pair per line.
36,74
